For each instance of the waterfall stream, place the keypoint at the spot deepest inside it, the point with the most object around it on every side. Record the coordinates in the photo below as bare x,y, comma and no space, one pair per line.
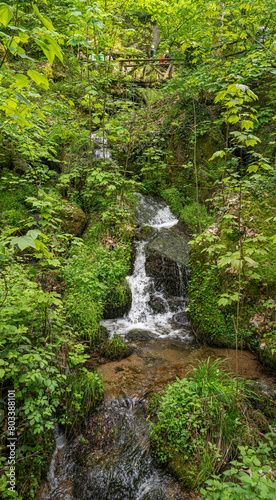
156,215
112,458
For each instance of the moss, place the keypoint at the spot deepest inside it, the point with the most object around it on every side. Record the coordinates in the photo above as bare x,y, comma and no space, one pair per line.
115,349
173,197
267,355
145,232
258,419
118,301
73,218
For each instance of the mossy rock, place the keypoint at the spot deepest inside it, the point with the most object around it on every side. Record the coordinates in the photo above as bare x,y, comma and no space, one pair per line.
118,301
73,218
145,233
258,420
6,158
170,244
264,398
267,356
115,349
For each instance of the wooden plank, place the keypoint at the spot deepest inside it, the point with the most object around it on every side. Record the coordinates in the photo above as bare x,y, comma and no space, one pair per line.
167,72
156,61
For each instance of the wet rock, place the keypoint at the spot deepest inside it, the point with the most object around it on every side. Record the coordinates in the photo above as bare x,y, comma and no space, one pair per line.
169,277
144,233
175,304
171,244
180,319
139,335
158,305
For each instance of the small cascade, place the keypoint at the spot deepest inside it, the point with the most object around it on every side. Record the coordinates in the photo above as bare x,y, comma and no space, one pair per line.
153,213
113,460
163,219
52,478
150,309
139,285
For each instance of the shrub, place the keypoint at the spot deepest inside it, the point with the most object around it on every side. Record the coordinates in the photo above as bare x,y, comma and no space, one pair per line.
198,422
250,478
174,199
190,218
84,390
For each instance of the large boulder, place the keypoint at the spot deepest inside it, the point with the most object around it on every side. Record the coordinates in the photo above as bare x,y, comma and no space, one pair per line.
167,256
172,244
72,217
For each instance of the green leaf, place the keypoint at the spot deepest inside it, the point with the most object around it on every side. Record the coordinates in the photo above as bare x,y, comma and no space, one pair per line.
5,14
2,372
21,80
23,242
44,19
54,47
38,78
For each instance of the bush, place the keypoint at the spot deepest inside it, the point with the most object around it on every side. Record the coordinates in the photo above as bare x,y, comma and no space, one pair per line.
91,272
190,218
251,477
198,422
85,390
174,199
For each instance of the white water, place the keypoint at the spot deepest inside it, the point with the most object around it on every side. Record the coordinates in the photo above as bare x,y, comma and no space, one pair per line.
100,147
154,213
52,477
141,316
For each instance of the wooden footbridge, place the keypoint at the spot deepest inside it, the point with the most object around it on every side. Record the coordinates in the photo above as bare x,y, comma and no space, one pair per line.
150,70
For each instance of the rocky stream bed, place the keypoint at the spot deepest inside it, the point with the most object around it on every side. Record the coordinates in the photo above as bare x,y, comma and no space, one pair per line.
111,460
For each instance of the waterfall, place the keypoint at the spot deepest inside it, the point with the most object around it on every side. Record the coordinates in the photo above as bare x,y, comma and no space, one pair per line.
139,286
151,309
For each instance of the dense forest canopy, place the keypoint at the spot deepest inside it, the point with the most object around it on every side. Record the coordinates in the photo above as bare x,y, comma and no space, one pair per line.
201,136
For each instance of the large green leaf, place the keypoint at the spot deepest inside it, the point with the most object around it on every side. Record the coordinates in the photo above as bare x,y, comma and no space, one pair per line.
5,14
44,19
38,78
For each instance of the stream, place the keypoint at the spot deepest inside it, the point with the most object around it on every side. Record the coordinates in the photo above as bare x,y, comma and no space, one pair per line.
111,460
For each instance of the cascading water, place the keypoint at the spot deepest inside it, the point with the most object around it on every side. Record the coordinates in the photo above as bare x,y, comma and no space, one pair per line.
156,215
112,459
139,285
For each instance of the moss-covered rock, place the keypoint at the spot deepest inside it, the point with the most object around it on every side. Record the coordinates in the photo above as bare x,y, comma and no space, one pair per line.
72,217
258,419
171,244
118,301
267,355
115,348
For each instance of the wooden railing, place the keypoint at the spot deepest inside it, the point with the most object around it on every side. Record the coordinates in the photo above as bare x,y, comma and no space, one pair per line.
142,69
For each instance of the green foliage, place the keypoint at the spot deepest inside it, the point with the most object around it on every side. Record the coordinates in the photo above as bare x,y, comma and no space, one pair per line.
174,199
190,219
250,477
198,422
84,391
91,272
